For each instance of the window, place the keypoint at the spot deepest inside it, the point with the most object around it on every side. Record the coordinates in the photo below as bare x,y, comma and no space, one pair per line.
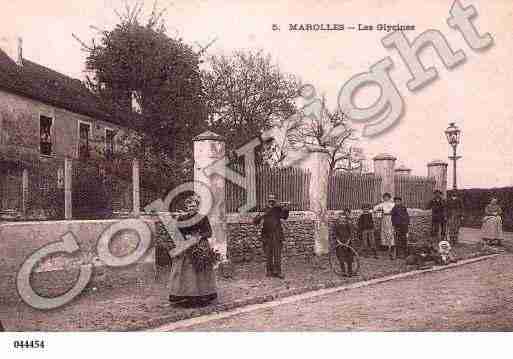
109,142
45,134
84,134
135,97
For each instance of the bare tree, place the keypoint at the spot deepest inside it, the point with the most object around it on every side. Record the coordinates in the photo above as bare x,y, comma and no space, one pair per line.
315,126
245,92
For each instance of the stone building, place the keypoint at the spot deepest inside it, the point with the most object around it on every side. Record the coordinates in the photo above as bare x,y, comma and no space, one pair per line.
45,117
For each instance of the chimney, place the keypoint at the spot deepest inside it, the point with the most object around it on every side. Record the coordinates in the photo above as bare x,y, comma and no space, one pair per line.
13,47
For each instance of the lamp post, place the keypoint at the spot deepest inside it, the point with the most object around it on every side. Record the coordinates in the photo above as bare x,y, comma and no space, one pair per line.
453,137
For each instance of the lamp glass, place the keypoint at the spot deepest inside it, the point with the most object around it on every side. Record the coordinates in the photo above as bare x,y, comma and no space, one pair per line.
453,134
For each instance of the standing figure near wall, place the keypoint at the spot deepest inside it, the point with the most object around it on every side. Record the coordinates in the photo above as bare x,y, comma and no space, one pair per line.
192,281
438,217
272,235
387,230
401,222
492,223
454,217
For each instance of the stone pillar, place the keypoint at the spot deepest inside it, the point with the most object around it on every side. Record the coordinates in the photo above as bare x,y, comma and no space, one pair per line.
437,170
24,191
209,148
68,177
403,171
136,191
317,162
384,165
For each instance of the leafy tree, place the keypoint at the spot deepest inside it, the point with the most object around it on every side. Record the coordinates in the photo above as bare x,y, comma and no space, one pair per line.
138,63
245,93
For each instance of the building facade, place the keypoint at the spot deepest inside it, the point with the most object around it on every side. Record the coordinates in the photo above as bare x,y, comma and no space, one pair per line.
45,118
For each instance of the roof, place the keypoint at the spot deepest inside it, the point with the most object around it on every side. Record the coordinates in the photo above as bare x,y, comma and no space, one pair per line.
51,87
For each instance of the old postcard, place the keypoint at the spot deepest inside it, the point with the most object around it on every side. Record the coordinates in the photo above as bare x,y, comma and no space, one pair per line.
268,166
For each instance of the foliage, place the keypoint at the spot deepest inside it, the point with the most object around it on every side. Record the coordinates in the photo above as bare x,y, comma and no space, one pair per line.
245,93
162,237
203,256
161,73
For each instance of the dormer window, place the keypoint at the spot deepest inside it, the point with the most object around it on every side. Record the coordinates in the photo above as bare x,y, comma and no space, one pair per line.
45,135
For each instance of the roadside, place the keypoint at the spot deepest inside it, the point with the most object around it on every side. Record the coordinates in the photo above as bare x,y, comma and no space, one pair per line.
144,304
476,296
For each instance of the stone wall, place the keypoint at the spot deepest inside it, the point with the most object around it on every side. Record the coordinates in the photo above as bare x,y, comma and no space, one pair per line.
19,240
244,242
420,224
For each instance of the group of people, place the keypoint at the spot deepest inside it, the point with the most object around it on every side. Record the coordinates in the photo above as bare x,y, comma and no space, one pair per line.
193,285
395,221
394,225
448,215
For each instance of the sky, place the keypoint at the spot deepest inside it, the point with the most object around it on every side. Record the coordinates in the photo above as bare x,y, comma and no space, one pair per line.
474,95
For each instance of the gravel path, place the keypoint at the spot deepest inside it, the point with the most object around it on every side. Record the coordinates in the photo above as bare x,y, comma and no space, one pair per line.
473,297
144,303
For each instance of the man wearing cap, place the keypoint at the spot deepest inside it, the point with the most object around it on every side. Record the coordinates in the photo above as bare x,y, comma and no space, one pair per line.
438,209
272,235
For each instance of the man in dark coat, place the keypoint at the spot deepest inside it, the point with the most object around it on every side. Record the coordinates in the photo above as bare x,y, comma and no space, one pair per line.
401,222
344,230
272,235
438,216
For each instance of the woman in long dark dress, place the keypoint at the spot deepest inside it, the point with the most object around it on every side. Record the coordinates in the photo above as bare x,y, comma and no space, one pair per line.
188,284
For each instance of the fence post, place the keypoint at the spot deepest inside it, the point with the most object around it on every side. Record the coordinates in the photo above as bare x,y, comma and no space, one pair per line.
384,165
136,190
317,162
209,147
437,170
24,191
68,179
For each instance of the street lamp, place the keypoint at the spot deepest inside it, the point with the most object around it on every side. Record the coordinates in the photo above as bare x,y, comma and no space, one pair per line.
453,137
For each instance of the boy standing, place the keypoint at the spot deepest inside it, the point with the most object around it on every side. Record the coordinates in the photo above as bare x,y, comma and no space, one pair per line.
400,221
366,228
344,233
438,217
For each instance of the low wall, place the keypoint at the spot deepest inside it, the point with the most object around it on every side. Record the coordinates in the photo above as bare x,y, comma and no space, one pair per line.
420,223
19,240
244,243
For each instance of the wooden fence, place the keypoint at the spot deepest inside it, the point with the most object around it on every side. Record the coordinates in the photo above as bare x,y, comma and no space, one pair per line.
287,184
349,190
416,191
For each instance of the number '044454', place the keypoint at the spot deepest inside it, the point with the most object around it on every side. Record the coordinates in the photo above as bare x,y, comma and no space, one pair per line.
29,344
